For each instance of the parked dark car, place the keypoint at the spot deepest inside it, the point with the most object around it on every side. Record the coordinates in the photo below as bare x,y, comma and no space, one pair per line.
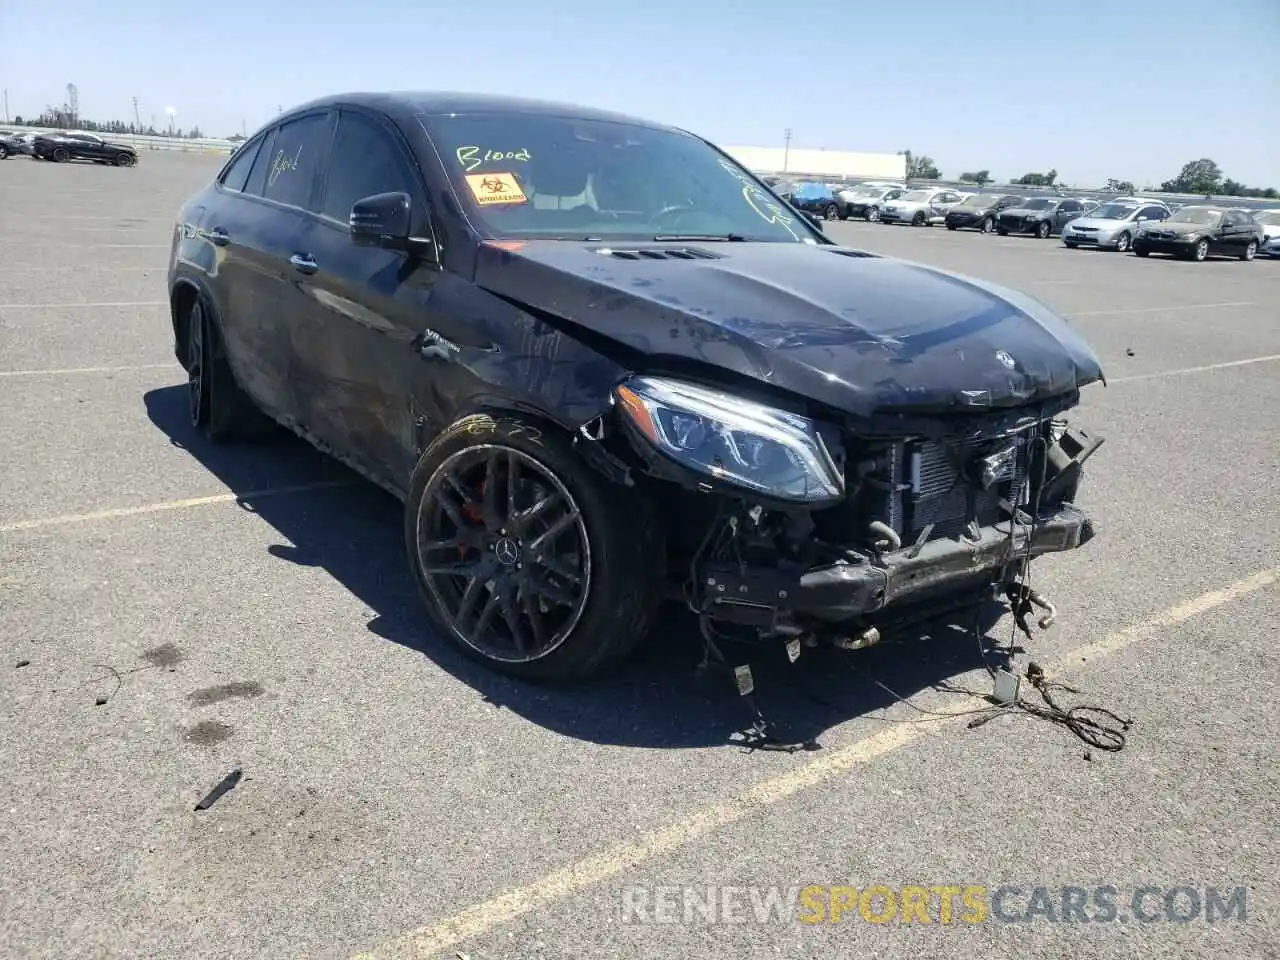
1201,231
979,211
60,147
10,144
1042,216
602,364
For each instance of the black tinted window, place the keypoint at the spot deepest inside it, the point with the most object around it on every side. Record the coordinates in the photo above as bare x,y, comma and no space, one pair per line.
238,171
1153,213
295,158
366,159
258,177
1071,207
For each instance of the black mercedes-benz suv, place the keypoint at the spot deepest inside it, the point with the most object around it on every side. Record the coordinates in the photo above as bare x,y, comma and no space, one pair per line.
602,365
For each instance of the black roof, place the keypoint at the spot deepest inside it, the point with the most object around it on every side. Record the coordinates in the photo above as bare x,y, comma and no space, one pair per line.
439,102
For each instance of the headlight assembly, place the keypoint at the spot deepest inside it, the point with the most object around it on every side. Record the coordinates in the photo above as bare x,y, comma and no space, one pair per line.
759,448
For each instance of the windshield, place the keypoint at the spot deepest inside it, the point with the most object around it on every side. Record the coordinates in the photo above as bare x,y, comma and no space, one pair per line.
916,196
537,176
1041,203
1201,215
1270,217
978,201
1113,211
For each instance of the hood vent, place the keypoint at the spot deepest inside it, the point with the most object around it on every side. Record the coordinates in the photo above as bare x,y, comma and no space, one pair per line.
856,254
659,253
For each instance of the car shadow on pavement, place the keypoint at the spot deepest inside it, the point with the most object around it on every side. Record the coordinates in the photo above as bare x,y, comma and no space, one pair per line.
659,699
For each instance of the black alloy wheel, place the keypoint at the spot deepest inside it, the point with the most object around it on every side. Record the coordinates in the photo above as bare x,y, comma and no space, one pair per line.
61,154
124,160
503,549
197,382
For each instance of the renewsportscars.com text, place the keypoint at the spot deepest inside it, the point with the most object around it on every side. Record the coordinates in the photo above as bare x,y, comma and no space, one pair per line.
932,904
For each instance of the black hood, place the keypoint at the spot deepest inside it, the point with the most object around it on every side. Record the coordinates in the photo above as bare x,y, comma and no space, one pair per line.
862,334
1181,228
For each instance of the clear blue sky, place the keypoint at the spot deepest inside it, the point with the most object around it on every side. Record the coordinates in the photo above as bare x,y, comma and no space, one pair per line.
1130,89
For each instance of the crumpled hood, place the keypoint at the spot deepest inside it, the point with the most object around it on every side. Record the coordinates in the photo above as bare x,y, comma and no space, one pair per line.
865,335
1182,229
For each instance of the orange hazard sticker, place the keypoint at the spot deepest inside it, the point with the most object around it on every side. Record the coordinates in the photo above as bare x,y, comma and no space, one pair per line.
491,188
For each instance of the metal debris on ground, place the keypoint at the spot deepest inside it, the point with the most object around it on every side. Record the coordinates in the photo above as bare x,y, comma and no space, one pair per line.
22,663
227,784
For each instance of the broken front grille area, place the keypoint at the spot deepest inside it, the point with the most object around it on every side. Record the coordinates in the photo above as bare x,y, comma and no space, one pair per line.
934,488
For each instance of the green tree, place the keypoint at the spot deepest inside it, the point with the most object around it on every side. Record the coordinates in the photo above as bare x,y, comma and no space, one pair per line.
1198,176
1120,186
920,168
981,177
1037,179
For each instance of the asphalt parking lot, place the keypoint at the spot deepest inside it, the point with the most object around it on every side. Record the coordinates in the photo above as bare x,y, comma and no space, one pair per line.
248,608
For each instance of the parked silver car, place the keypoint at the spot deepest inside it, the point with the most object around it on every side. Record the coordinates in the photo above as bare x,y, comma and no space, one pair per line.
921,207
1269,220
866,199
1112,226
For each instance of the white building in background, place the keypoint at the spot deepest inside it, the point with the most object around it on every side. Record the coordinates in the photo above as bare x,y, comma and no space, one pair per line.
821,163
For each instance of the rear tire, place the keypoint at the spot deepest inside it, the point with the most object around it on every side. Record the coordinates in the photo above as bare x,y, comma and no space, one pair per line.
988,225
1250,251
830,212
61,155
216,405
546,606
1043,230
873,215
4,152
918,220
1123,242
1201,252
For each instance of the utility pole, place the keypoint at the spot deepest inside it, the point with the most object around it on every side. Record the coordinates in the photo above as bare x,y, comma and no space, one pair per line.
6,105
786,148
137,120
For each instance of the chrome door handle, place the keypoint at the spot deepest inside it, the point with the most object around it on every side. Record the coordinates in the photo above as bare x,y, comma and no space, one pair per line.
303,263
219,237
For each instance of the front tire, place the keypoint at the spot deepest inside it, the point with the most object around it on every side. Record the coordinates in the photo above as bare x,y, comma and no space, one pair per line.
918,220
4,152
1141,252
1250,251
1201,251
1123,242
1043,230
61,155
873,215
530,561
830,212
988,225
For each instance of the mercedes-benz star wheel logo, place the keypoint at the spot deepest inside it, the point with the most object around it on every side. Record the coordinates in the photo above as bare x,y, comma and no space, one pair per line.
506,551
1006,358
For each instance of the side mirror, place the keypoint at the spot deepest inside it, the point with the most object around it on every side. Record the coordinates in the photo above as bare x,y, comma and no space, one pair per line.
384,220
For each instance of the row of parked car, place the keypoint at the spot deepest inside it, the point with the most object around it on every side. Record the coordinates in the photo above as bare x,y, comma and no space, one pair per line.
1144,225
63,146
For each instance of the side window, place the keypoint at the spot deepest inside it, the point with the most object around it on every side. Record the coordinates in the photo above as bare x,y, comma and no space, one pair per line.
1071,206
237,172
295,160
1153,213
366,159
258,175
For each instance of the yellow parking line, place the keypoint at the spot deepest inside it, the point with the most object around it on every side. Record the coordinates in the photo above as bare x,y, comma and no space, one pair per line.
66,370
563,883
1173,306
1181,371
166,505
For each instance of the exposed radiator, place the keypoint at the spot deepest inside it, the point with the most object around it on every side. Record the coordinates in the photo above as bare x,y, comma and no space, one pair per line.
942,486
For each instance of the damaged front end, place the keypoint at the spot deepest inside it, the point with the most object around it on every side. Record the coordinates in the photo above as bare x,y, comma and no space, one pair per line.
804,529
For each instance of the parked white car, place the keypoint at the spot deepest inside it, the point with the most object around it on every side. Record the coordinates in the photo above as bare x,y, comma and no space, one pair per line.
1269,220
921,207
1113,225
